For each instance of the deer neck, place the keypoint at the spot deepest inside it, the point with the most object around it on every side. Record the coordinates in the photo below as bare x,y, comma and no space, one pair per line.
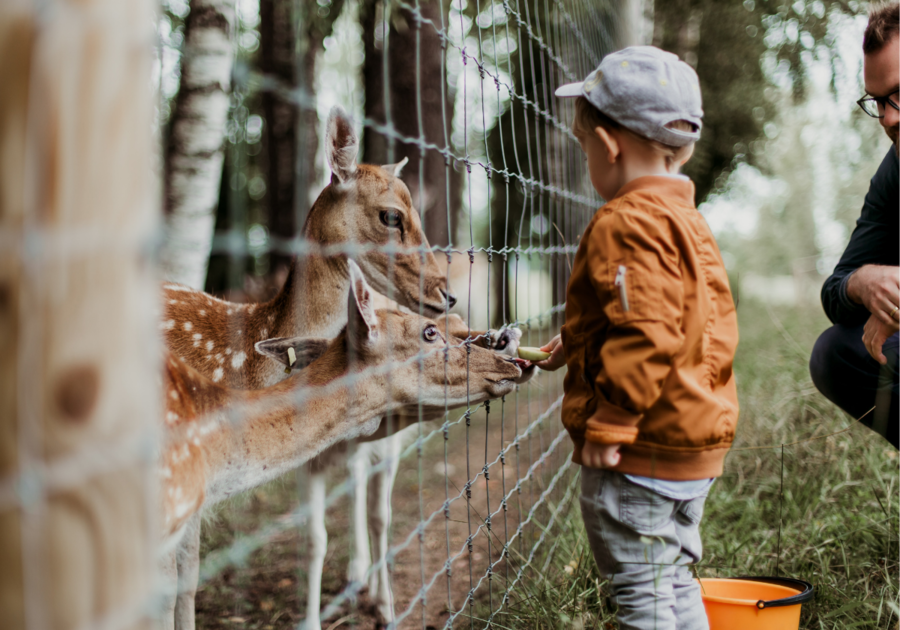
281,431
313,301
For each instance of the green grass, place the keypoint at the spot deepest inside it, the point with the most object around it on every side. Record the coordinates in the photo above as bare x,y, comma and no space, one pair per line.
827,512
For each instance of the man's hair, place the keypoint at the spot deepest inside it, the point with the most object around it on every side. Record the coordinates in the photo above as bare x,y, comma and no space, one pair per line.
588,118
884,24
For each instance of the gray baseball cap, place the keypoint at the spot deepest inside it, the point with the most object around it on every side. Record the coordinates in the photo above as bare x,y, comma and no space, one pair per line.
644,89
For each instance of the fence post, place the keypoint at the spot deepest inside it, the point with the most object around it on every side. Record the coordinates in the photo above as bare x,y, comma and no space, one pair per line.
78,345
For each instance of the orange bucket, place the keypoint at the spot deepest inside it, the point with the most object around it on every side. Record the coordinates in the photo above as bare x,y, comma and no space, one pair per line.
754,603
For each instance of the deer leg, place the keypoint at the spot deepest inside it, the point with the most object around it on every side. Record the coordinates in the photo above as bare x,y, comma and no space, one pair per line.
361,559
318,546
168,569
187,558
379,523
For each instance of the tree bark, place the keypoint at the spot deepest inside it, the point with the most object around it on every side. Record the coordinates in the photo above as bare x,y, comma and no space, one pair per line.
78,382
291,132
196,145
431,184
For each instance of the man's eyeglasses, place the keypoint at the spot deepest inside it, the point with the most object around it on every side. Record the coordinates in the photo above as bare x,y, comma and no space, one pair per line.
874,105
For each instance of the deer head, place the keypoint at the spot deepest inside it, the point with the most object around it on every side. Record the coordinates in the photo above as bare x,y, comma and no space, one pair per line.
370,206
413,348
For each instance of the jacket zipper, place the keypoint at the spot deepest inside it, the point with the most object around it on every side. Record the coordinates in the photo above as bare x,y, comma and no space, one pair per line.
620,282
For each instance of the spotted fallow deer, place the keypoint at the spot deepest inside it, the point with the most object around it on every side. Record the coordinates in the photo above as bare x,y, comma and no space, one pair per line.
364,205
221,441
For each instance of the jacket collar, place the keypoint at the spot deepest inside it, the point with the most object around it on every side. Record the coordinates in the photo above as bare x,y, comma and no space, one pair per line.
677,188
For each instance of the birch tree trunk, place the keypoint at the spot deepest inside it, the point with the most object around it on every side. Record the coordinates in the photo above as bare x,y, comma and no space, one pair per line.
196,145
78,339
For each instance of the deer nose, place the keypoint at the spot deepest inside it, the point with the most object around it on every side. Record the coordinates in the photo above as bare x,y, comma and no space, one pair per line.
449,297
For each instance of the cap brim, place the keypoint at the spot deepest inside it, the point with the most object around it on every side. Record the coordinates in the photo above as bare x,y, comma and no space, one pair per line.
570,90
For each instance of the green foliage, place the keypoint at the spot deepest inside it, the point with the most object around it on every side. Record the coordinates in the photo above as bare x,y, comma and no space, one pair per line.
725,41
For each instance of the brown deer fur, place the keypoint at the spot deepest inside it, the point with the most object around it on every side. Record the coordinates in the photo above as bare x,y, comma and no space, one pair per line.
220,441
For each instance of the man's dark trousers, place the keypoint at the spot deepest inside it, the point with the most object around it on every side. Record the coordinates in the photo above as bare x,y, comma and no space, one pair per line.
843,371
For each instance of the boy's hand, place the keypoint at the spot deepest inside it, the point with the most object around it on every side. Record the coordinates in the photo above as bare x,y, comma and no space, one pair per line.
557,355
595,455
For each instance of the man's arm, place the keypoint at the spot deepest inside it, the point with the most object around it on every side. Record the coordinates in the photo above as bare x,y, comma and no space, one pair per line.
873,242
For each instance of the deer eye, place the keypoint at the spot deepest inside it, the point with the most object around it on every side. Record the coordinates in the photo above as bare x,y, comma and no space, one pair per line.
431,334
390,218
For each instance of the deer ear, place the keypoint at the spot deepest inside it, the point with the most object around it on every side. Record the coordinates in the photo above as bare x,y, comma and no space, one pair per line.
294,352
341,145
361,319
394,169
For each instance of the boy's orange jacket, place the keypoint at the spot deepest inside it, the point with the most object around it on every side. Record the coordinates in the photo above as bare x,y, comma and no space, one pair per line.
650,335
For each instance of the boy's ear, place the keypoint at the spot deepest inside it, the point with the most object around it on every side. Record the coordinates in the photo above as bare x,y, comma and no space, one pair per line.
687,155
611,143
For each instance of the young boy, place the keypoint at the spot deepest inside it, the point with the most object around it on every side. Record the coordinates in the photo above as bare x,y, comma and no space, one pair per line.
649,339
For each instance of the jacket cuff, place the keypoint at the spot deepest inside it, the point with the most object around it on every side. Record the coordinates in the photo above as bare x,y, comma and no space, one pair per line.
843,296
612,425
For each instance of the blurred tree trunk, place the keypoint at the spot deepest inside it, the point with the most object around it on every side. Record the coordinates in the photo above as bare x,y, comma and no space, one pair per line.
289,43
78,336
195,152
407,85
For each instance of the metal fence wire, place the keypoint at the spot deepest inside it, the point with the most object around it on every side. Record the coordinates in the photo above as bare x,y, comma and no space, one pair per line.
479,491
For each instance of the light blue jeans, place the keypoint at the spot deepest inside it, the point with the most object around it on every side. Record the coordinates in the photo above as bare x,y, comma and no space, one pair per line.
644,543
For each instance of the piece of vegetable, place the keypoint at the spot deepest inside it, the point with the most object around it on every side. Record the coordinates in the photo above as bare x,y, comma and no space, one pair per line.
532,354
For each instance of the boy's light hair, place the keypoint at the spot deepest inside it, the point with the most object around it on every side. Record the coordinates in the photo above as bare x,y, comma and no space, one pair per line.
588,117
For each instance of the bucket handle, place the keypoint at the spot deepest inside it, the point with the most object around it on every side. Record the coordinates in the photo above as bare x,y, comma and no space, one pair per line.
806,591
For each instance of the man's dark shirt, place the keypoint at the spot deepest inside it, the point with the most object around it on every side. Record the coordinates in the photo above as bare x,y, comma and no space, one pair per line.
875,241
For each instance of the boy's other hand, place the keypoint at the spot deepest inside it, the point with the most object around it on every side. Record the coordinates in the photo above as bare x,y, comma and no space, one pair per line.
595,455
557,355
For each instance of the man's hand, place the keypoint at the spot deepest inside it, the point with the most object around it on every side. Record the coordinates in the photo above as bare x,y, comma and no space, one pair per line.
600,455
875,333
557,355
877,287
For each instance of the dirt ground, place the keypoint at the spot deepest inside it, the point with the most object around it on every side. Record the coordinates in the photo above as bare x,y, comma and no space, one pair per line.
270,590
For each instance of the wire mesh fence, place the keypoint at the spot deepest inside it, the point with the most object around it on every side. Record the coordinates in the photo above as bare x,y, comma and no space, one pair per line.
489,479
465,506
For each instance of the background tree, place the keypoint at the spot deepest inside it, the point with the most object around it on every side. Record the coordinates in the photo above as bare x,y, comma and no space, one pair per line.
414,96
291,37
727,42
194,154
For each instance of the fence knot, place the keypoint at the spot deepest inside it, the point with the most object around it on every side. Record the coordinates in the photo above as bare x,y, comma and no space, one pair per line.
486,474
468,489
446,508
469,544
471,252
503,505
447,569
